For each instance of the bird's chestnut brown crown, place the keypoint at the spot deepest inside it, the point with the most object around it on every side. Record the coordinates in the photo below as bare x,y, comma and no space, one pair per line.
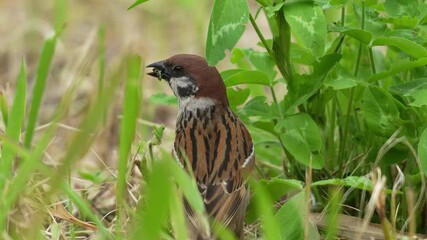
190,76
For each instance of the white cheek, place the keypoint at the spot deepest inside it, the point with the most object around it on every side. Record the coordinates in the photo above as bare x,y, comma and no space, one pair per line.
181,82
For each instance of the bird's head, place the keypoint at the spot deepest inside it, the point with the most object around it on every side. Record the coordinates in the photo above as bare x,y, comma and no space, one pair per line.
191,78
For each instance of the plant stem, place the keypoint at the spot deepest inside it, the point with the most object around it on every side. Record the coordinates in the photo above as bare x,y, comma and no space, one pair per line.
371,61
280,66
343,144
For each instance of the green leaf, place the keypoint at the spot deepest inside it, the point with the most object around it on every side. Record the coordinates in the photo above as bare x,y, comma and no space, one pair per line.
307,85
278,187
237,97
39,87
264,204
153,212
308,25
131,109
301,137
262,61
161,98
399,66
422,151
407,88
177,218
356,33
409,47
257,107
292,218
300,54
340,79
362,183
136,3
226,26
420,98
381,114
267,145
13,129
4,109
398,8
247,76
96,177
187,185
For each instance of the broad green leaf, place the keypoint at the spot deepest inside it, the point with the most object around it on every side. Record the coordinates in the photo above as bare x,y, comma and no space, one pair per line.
340,79
381,114
45,61
13,129
399,8
300,54
399,66
136,3
161,98
356,33
292,218
267,145
402,22
420,98
262,61
308,25
277,187
257,107
307,85
301,137
338,2
226,26
237,97
247,76
411,48
406,34
407,88
272,9
422,151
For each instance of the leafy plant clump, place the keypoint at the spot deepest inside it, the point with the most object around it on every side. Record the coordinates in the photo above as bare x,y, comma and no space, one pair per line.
353,114
335,100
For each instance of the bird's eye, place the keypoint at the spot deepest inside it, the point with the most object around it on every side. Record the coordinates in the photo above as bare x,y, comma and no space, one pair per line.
177,69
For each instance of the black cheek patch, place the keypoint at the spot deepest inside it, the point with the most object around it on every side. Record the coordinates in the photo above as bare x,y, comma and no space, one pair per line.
186,91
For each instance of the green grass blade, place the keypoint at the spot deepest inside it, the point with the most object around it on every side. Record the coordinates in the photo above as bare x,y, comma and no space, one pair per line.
89,126
85,209
19,182
13,129
265,210
333,212
61,8
177,218
4,109
152,213
131,108
39,87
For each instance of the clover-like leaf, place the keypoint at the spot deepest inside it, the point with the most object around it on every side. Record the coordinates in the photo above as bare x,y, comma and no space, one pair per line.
226,26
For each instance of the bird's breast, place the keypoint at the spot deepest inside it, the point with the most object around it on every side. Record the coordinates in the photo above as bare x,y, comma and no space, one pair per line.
212,143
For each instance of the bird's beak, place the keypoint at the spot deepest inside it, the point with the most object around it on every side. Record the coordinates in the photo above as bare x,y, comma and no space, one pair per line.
159,70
